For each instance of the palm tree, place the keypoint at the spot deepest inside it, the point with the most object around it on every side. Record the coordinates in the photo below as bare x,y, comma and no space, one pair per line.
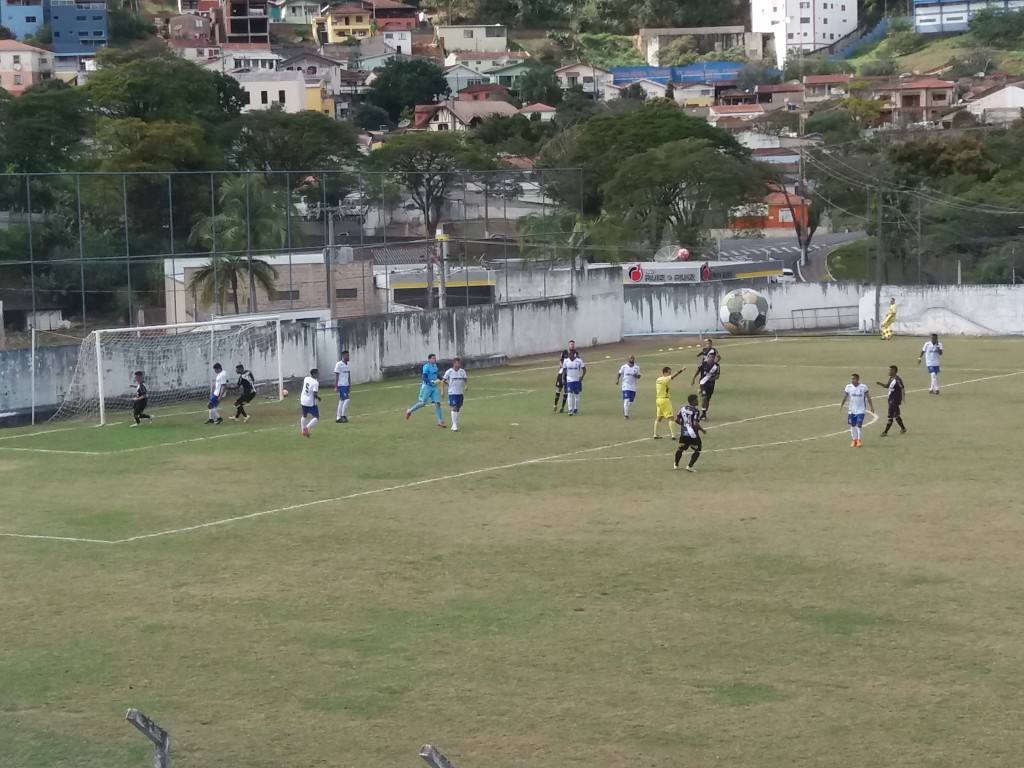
251,218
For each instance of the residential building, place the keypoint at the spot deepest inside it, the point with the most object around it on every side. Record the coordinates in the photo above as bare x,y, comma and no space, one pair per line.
23,17
313,65
399,39
651,89
737,112
777,211
189,26
199,6
243,57
509,74
803,25
818,88
1003,106
539,111
246,21
373,52
201,52
264,90
484,92
22,66
694,94
317,98
297,12
912,100
459,115
480,38
350,91
393,16
342,22
788,95
79,30
460,76
592,80
484,62
707,39
934,16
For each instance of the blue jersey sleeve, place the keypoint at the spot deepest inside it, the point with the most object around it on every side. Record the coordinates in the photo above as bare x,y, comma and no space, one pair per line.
429,376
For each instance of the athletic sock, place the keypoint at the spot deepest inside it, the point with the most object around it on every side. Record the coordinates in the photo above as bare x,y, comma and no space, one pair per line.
693,458
455,418
565,397
344,407
302,423
312,423
439,413
656,427
416,407
899,421
679,455
340,409
214,414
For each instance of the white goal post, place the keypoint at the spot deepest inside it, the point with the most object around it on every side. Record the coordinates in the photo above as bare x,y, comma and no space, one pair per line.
177,361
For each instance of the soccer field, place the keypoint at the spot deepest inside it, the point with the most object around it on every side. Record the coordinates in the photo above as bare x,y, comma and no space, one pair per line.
535,589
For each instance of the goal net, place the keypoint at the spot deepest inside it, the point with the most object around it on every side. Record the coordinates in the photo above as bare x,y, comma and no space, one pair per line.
177,361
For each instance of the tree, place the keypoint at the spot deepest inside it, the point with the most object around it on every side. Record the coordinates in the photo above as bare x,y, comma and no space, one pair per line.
514,134
877,68
430,165
670,91
275,140
863,111
901,39
6,34
576,107
401,84
42,130
540,85
633,92
133,145
681,52
835,126
125,26
600,145
251,218
677,184
752,75
370,118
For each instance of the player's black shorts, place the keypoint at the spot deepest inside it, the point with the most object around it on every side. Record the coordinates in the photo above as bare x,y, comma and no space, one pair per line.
685,441
139,406
559,381
708,389
245,398
894,410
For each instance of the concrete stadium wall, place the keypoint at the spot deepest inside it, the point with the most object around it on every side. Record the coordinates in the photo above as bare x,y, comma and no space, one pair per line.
516,284
973,310
515,330
694,308
54,368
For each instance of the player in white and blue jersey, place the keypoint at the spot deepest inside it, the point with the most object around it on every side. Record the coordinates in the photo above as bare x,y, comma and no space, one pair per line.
308,402
342,383
931,352
455,380
217,390
575,369
628,376
429,392
859,397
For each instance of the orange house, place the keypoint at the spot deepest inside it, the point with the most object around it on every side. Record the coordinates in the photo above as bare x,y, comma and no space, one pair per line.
776,212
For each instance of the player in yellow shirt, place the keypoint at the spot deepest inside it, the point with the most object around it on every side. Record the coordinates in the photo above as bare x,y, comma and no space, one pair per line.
663,402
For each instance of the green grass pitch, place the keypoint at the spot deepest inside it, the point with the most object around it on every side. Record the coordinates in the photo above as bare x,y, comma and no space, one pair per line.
534,590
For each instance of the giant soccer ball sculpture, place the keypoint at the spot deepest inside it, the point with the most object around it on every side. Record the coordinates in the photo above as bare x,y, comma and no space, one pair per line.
743,312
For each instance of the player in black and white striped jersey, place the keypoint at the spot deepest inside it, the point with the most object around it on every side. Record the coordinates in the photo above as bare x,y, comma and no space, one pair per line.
141,400
247,384
708,351
897,396
690,429
708,372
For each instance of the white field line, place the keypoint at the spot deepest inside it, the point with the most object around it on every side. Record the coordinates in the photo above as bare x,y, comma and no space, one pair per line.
432,480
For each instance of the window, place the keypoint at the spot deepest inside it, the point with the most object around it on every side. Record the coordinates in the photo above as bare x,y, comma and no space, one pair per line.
359,19
287,296
467,34
280,96
97,18
495,32
200,52
805,5
98,33
17,59
789,36
588,79
79,18
389,35
246,99
264,99
785,217
345,293
17,79
842,7
30,19
56,34
832,37
805,19
935,96
83,33
824,20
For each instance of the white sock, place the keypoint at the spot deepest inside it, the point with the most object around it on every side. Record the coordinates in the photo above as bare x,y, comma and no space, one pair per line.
214,414
344,406
853,433
455,418
302,423
311,423
211,412
340,409
860,432
625,407
935,382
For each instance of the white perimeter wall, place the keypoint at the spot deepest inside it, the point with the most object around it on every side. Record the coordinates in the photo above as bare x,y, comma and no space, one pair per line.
974,310
694,308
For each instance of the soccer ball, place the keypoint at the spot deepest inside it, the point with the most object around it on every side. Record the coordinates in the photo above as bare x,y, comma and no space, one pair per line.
886,334
284,393
743,312
682,254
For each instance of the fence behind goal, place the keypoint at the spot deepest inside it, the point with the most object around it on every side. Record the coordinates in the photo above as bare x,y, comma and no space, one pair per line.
177,361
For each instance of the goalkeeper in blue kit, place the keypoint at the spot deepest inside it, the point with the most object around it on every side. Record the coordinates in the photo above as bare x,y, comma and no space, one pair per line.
429,392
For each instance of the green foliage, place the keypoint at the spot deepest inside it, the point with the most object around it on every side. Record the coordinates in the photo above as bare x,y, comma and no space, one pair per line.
607,50
901,39
540,85
43,129
401,84
515,134
42,36
370,117
754,74
835,125
778,122
275,140
6,34
577,107
134,145
863,111
997,27
633,92
877,68
679,53
126,27
430,166
971,63
676,185
599,145
931,157
798,67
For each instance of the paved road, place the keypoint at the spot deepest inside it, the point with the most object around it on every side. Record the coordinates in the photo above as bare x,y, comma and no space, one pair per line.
783,249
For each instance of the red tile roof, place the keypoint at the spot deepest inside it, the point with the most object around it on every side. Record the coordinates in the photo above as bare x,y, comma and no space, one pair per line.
780,88
13,46
538,107
778,198
737,109
826,79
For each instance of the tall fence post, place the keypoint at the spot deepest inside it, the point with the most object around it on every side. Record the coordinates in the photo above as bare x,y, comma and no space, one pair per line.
160,738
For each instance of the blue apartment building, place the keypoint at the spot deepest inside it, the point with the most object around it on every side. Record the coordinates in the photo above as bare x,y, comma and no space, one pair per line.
79,29
934,16
23,17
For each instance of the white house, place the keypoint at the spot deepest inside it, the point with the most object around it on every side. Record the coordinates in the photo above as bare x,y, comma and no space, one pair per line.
22,66
460,76
594,81
483,62
234,58
803,25
932,16
461,115
399,39
473,37
544,113
651,89
1004,106
313,65
264,90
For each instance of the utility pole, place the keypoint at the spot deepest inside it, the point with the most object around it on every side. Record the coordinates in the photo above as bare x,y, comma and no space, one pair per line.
919,240
802,227
329,259
878,255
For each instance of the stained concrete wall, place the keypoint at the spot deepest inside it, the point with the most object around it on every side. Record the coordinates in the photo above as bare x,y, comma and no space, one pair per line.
694,308
974,310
